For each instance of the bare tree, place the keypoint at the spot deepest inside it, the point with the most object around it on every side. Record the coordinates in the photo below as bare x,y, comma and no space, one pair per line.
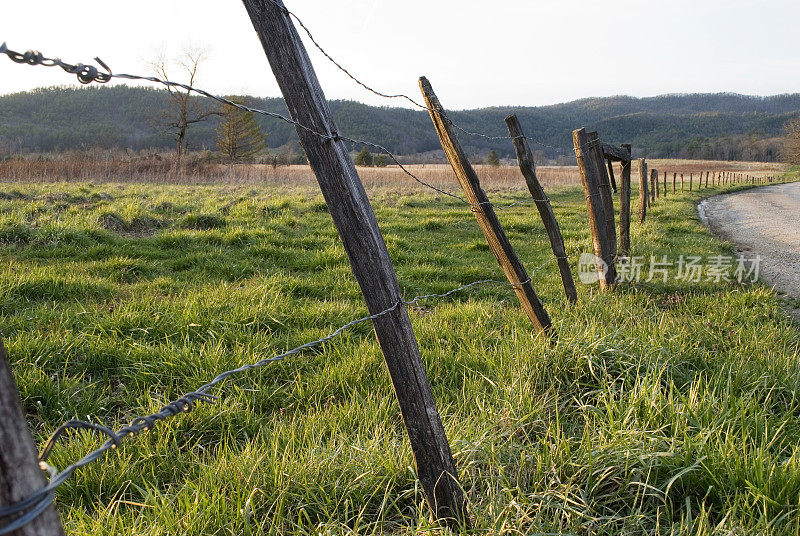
185,109
791,144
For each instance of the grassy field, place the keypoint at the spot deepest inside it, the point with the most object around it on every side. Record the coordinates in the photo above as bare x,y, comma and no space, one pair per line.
664,408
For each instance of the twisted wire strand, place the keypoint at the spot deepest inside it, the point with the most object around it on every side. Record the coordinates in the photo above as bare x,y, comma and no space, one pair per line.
38,501
339,66
87,74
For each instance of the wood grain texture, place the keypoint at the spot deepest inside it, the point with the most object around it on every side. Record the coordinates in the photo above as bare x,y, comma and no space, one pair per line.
528,168
482,208
617,154
642,190
20,474
610,166
369,259
625,207
590,173
604,183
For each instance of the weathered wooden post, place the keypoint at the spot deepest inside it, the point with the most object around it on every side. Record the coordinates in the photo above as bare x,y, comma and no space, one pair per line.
691,177
682,182
358,229
654,174
665,184
528,168
484,212
674,179
20,474
706,179
611,175
591,174
642,189
625,206
604,183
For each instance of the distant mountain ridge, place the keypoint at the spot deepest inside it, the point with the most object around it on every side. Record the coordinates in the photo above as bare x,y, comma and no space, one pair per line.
721,125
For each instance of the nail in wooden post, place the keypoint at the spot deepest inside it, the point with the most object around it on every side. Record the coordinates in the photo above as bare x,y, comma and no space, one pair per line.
20,474
591,170
642,189
358,229
625,206
484,212
604,183
528,168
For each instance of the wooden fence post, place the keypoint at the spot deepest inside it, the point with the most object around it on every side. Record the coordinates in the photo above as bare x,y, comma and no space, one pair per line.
674,179
655,194
591,172
706,179
358,229
528,168
682,182
604,183
484,212
691,177
665,184
642,189
20,474
625,206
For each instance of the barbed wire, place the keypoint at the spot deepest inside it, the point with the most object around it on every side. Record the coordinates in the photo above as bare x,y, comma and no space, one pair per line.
87,74
355,79
36,503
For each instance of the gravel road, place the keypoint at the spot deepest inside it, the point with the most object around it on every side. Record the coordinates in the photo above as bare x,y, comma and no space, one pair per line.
763,221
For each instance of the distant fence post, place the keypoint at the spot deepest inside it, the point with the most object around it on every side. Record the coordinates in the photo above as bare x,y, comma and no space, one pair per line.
674,179
591,176
665,184
625,205
20,474
655,193
706,179
642,189
682,182
358,229
691,177
528,168
484,212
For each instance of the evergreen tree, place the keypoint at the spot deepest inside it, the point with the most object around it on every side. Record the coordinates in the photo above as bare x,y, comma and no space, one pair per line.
381,160
239,136
364,158
492,159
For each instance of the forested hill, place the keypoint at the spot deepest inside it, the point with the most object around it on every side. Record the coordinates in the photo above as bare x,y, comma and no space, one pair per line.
723,126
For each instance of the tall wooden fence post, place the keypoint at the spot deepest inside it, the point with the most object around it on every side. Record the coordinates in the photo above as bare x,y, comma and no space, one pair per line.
642,189
20,474
484,212
604,183
625,206
358,229
528,168
591,172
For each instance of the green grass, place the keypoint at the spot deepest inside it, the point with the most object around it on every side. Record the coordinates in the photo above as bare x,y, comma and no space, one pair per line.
664,408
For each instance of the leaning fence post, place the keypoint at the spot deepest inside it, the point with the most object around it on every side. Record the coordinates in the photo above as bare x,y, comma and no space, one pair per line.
642,189
484,212
20,474
528,168
591,171
604,183
358,229
625,206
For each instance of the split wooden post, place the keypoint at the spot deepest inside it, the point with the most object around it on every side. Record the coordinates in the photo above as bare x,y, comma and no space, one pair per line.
484,212
642,189
611,175
625,206
20,474
358,229
591,170
604,183
528,168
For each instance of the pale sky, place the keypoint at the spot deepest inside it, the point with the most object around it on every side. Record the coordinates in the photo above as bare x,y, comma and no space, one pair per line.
475,53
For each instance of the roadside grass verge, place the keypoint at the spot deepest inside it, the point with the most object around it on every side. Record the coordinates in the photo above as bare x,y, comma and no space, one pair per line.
663,408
